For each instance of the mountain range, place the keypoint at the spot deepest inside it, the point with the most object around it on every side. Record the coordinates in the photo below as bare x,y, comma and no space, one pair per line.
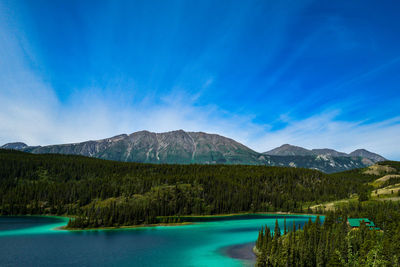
202,148
289,150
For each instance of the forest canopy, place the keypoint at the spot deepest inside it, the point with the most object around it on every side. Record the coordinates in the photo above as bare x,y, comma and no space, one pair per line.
109,193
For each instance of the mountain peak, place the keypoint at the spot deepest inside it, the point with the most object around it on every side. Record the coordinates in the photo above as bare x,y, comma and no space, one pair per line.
367,154
15,146
289,150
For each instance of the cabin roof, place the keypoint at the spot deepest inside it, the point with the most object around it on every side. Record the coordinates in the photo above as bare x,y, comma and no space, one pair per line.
356,222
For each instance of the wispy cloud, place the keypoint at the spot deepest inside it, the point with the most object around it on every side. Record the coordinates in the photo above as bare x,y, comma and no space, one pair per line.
31,110
34,115
41,119
326,131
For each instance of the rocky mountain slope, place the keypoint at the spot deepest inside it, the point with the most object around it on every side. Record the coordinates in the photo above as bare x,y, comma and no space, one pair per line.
289,150
198,147
170,147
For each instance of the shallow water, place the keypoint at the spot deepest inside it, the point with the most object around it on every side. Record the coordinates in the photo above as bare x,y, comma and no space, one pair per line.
33,241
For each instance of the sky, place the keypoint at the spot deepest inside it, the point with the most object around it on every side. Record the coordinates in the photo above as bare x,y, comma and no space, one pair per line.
317,74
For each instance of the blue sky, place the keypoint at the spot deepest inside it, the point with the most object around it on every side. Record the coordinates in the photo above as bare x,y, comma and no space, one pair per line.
309,73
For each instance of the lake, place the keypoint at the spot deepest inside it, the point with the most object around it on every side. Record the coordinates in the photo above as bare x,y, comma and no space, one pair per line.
227,241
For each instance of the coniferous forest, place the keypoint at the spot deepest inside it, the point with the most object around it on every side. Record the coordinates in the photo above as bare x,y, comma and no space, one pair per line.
333,243
101,193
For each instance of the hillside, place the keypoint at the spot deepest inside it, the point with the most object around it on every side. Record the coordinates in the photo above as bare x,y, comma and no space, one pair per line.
116,193
201,148
384,184
337,242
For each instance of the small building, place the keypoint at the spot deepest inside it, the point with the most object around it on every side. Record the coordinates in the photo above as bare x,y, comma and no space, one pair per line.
354,223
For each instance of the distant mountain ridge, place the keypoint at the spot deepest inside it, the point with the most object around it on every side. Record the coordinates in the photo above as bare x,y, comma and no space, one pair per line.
367,154
202,148
290,150
15,146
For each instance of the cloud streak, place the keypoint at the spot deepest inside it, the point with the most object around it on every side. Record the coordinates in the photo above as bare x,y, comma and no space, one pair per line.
326,131
46,121
31,110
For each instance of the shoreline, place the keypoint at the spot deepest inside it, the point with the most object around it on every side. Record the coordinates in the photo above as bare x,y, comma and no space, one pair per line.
65,228
229,215
249,213
242,251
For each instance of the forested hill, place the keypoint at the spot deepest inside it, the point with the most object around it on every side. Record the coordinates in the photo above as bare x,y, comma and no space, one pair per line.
334,243
180,147
110,193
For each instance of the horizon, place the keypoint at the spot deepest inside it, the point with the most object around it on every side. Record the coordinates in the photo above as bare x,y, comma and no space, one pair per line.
261,152
310,73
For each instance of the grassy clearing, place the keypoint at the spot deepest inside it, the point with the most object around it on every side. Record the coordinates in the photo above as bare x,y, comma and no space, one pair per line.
389,199
332,205
386,192
379,170
378,182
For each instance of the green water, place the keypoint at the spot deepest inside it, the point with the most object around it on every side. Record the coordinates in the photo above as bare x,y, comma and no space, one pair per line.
34,241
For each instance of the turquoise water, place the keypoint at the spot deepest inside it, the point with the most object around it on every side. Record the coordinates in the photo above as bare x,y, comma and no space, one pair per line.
33,241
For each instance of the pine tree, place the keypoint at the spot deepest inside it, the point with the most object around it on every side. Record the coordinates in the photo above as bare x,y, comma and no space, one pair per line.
277,230
284,226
